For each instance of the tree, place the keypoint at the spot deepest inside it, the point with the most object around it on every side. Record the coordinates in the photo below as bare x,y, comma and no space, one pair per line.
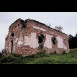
59,28
70,37
76,35
73,41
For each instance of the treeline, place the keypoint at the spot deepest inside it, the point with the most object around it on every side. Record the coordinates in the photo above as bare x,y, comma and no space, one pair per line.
72,41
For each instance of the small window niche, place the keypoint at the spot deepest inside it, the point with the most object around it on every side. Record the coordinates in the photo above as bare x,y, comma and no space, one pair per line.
12,34
23,24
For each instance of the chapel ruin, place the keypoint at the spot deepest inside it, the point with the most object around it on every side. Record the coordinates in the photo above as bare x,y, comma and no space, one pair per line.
27,37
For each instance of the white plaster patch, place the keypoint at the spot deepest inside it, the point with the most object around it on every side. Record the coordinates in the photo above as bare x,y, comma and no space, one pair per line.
39,28
31,40
60,43
20,43
48,42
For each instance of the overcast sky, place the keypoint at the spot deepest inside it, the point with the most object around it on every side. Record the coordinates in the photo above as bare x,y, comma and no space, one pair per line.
68,20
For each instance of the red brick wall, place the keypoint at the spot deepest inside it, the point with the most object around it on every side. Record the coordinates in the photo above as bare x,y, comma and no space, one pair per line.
32,27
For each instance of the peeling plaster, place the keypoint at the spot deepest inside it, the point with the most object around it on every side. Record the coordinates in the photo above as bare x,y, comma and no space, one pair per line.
48,42
20,43
39,28
60,43
31,41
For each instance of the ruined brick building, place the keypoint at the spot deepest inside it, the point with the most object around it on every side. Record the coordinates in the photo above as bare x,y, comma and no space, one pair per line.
30,36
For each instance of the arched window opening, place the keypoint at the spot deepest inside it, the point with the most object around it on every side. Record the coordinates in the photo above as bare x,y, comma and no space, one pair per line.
40,38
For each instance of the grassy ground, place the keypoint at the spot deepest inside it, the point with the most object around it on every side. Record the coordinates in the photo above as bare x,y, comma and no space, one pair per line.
41,58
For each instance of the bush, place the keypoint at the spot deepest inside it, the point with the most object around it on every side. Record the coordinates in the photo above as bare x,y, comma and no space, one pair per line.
11,59
38,55
0,54
3,51
41,54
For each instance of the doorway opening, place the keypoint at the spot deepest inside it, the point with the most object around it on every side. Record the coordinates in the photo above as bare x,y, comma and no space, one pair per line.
12,46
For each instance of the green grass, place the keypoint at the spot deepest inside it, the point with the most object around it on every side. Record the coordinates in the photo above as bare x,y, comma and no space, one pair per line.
41,58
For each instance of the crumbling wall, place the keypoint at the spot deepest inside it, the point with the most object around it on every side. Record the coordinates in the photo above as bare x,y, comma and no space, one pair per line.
30,37
61,40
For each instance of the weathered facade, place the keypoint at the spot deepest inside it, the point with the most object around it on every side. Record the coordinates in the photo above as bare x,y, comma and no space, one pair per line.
29,37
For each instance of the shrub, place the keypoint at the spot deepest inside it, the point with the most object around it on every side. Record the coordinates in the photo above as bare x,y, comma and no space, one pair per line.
38,55
3,51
